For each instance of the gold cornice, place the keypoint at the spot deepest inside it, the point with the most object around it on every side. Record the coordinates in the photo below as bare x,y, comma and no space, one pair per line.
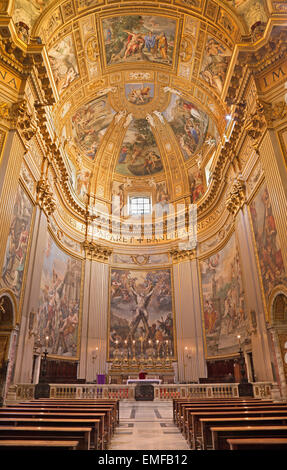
22,57
178,255
96,252
236,197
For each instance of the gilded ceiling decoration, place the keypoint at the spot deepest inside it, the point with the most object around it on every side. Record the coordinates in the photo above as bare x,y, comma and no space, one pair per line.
139,89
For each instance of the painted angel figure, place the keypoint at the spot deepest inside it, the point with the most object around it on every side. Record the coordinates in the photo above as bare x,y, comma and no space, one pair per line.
172,90
160,116
120,115
150,120
128,120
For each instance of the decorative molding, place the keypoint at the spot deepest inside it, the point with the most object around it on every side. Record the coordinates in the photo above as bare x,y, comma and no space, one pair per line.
96,252
236,197
178,255
274,111
45,197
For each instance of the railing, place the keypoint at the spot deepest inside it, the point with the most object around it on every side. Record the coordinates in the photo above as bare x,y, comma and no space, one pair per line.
22,392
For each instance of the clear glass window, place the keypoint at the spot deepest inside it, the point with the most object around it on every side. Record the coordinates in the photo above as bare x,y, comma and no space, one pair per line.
139,205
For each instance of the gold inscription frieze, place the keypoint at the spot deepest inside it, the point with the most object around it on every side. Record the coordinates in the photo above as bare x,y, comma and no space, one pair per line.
9,79
273,77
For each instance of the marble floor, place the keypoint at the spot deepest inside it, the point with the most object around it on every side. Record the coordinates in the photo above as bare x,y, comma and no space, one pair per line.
147,425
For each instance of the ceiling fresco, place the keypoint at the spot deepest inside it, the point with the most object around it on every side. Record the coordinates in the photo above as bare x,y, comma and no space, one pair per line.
89,124
139,38
139,88
139,154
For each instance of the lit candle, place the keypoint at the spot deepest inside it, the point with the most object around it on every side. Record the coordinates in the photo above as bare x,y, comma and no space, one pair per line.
47,341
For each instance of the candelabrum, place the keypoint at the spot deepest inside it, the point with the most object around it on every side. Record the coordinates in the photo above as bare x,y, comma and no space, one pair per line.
244,388
42,389
44,356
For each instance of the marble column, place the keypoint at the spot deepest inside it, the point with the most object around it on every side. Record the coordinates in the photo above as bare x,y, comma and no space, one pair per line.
189,332
94,321
261,353
24,360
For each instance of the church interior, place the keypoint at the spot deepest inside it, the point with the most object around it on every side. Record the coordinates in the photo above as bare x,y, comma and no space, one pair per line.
143,206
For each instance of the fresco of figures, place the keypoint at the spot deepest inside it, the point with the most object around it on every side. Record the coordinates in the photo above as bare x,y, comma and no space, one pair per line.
139,93
64,63
139,154
141,314
215,63
79,178
223,301
189,124
59,301
136,38
17,243
253,11
196,184
161,194
267,242
89,125
28,11
118,197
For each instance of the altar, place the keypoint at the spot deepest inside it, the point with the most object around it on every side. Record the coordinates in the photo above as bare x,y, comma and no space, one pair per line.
144,381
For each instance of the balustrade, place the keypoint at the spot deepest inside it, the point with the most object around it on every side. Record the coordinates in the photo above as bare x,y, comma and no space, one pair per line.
22,392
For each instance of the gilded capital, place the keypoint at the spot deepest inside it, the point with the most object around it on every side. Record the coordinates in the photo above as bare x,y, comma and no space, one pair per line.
182,255
96,252
236,197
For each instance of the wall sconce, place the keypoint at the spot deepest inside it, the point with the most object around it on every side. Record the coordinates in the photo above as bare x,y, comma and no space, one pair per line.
186,353
95,354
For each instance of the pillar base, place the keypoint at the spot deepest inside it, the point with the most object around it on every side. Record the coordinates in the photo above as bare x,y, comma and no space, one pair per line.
245,390
42,390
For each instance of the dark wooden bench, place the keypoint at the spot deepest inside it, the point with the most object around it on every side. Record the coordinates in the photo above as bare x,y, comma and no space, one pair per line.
220,435
189,421
75,401
62,422
186,407
179,402
103,437
195,430
47,409
258,444
20,444
81,434
208,423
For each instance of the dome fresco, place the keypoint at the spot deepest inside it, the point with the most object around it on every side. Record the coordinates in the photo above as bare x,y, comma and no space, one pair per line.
89,124
139,154
139,93
189,124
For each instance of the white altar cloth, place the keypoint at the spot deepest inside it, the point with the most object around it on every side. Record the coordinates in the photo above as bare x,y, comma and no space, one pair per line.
138,381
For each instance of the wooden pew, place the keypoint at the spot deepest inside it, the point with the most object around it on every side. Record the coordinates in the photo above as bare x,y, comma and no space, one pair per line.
110,407
220,435
258,444
195,431
93,401
62,422
34,444
208,423
188,423
63,415
179,404
81,434
107,411
238,403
